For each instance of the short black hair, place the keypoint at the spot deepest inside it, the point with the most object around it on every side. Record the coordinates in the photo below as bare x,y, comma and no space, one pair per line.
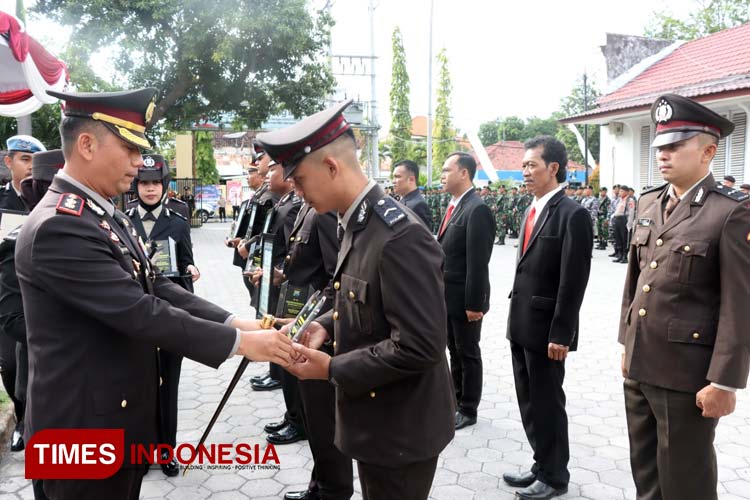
411,167
602,189
465,161
73,126
553,151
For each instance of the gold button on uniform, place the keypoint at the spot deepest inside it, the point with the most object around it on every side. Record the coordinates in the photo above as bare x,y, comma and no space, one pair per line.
351,295
646,288
291,239
288,258
659,242
161,381
686,248
124,403
335,315
653,265
696,335
337,285
641,312
334,345
372,394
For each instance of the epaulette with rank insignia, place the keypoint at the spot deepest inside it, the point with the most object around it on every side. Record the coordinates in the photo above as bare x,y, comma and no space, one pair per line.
732,193
175,212
654,189
70,203
388,210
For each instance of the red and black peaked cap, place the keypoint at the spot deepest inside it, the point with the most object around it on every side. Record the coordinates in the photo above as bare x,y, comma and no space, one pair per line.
678,118
289,145
126,113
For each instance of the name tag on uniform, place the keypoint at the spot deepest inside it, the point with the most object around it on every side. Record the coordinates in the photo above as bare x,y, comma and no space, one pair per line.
645,222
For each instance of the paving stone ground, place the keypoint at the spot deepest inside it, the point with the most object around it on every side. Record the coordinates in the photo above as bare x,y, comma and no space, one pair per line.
471,466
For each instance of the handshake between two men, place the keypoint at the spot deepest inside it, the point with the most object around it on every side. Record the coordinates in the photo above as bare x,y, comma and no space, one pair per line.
302,359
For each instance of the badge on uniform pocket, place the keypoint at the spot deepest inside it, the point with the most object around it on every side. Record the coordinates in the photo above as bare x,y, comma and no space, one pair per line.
645,222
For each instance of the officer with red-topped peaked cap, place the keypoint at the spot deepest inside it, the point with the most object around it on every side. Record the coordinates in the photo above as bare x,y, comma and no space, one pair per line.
388,323
685,314
97,311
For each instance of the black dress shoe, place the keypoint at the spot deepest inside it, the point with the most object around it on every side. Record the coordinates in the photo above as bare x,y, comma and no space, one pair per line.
520,480
276,426
302,495
464,420
613,255
622,260
260,378
16,441
171,468
288,435
539,491
268,384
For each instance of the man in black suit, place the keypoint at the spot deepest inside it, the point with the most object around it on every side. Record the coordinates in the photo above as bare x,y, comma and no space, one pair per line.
466,235
552,270
405,179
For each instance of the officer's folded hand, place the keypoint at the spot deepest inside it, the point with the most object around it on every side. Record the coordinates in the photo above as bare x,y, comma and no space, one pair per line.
309,363
266,345
715,402
557,352
233,242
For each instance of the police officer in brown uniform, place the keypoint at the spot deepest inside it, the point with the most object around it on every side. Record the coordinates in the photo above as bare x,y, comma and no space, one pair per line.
685,308
395,407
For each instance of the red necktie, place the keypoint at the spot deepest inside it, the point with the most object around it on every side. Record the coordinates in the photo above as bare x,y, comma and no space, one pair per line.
529,228
448,214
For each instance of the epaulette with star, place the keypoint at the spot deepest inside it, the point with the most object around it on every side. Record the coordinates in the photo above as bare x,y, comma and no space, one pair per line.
732,193
388,210
70,203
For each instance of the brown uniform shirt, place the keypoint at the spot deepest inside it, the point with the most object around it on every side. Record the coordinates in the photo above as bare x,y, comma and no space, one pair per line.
686,306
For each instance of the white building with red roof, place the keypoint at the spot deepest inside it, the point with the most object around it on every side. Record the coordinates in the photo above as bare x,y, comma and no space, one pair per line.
714,70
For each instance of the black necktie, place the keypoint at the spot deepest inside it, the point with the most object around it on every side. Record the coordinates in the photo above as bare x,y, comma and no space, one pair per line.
340,232
149,216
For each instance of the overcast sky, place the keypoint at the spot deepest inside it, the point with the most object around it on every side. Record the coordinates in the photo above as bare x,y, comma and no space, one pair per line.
505,58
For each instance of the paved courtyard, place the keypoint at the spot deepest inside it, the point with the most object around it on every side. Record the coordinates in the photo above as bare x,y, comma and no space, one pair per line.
472,465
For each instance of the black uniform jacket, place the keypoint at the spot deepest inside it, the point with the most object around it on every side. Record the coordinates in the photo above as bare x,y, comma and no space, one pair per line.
170,224
686,307
551,277
467,243
395,402
95,317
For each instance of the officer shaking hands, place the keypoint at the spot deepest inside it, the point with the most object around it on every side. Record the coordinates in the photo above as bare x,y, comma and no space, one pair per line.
96,310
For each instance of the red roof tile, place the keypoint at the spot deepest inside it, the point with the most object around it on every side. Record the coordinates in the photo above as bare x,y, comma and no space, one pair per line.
717,63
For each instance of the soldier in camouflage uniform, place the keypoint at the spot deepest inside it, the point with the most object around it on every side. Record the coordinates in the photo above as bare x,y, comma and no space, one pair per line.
602,220
513,216
501,215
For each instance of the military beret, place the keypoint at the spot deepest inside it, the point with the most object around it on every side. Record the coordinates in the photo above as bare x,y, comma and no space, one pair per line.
290,145
154,168
126,113
729,178
745,186
45,164
25,144
678,118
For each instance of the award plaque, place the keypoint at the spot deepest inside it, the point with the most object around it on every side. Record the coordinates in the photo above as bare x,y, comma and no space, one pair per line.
292,299
266,281
237,225
165,257
10,220
309,312
253,214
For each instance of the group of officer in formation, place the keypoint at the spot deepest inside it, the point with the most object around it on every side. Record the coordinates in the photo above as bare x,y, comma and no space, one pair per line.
99,329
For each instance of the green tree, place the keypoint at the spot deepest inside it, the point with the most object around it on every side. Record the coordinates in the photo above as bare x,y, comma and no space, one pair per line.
709,17
247,57
511,129
444,142
489,132
540,126
205,163
44,125
574,104
400,132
